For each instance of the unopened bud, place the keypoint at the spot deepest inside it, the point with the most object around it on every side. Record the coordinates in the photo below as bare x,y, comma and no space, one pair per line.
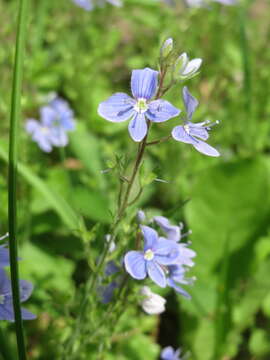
166,48
152,303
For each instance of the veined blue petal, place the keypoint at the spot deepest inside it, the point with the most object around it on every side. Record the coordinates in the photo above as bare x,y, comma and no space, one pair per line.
144,83
190,102
161,110
119,107
138,127
205,149
135,264
156,273
197,131
150,237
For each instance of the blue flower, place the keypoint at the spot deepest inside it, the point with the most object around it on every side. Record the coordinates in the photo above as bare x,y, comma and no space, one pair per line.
84,4
56,119
121,107
194,134
4,256
168,353
6,303
157,253
89,5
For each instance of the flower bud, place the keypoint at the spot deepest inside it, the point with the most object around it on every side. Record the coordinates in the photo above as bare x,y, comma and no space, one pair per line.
166,48
152,303
185,69
141,216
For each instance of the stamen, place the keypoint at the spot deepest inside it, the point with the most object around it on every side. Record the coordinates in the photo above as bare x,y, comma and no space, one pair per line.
149,255
141,106
4,237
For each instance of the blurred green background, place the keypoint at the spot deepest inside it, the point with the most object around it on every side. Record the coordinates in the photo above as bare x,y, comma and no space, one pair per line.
86,57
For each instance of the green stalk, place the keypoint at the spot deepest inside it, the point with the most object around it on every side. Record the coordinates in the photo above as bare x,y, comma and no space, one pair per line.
12,171
5,351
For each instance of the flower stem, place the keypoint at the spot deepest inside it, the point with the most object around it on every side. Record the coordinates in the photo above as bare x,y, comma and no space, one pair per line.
12,179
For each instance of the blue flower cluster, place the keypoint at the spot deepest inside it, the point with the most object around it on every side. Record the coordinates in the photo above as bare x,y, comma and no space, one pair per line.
163,259
6,302
56,120
144,107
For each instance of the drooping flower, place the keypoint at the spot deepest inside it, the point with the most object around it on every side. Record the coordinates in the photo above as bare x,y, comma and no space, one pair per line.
194,134
168,353
56,119
6,303
152,260
4,256
152,303
121,107
184,68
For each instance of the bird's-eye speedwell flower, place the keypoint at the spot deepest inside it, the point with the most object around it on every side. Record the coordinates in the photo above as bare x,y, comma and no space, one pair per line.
56,119
151,261
6,303
121,107
194,134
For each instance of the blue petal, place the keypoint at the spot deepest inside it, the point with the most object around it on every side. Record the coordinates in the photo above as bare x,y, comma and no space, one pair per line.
150,237
198,131
4,256
144,83
5,284
47,115
85,4
205,149
178,289
27,315
172,231
138,127
31,126
26,289
180,134
190,102
6,312
135,264
156,273
119,107
161,110
167,353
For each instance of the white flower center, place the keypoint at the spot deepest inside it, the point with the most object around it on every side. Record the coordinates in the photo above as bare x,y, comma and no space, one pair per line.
2,299
141,106
149,255
187,128
44,130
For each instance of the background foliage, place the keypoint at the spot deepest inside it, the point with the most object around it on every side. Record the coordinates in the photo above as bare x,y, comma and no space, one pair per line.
85,57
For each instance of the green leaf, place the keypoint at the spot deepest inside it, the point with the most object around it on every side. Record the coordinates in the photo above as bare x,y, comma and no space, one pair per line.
58,203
